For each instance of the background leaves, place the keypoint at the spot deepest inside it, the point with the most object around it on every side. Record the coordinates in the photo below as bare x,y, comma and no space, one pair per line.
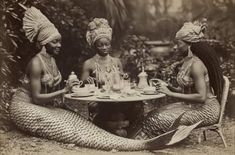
134,22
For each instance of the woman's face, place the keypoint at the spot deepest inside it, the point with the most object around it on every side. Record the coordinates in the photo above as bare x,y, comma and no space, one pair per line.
182,47
54,46
103,46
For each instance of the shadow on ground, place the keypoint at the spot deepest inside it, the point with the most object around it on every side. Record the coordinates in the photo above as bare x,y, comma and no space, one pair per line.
14,142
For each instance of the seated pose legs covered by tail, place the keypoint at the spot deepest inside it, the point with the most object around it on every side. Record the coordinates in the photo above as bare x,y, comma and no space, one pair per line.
200,86
30,108
107,71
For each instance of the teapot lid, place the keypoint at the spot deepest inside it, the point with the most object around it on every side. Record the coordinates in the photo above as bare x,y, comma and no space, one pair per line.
72,75
143,73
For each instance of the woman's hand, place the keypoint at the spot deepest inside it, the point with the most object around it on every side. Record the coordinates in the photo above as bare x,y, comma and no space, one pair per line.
168,85
163,89
175,89
90,80
67,87
70,83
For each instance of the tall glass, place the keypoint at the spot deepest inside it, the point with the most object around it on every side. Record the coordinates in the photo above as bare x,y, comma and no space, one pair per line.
127,84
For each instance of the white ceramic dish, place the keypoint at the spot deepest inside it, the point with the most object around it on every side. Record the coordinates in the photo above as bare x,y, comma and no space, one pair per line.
82,95
103,97
149,93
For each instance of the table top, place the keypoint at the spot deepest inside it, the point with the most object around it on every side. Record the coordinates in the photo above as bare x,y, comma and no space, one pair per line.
119,98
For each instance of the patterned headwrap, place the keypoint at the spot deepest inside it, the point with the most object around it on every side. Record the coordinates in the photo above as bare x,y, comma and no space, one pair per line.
35,24
97,29
192,32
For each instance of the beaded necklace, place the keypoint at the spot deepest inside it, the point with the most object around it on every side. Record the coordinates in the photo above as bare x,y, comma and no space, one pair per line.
104,70
51,72
49,63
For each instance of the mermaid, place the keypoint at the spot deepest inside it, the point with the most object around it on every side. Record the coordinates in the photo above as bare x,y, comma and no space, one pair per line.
32,107
200,82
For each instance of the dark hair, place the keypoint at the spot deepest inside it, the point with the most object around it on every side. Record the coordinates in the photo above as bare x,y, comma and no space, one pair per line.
210,59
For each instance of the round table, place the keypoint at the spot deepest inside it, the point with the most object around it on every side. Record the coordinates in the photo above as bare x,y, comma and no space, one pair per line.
121,99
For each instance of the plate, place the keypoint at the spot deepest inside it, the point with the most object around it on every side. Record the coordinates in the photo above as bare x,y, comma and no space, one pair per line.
103,97
85,95
152,93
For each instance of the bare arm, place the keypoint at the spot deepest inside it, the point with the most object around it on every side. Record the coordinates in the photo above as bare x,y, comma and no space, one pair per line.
169,86
35,71
198,74
175,89
85,70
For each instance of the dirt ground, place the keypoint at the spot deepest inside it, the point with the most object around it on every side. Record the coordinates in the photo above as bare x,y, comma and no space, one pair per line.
14,142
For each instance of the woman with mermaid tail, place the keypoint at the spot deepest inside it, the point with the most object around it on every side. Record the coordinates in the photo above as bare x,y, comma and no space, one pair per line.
108,71
200,76
30,108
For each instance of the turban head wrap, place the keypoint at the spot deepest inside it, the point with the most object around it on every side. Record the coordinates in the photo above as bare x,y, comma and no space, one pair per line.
98,28
38,27
191,32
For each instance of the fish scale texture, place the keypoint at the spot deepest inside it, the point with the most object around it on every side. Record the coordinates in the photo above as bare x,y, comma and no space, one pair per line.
65,126
68,127
159,121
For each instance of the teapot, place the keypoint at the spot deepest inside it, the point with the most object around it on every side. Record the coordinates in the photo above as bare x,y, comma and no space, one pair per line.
143,81
77,84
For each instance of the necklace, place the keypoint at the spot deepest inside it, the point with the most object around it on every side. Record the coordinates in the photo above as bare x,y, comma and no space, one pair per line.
104,68
104,65
49,63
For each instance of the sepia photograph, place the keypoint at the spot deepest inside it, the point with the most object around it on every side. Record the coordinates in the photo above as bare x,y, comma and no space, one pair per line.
135,77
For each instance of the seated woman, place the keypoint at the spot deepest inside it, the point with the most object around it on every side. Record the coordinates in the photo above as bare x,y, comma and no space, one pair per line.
105,68
201,82
29,107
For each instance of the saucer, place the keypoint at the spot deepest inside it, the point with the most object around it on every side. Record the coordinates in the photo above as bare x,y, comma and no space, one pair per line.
103,97
81,95
149,93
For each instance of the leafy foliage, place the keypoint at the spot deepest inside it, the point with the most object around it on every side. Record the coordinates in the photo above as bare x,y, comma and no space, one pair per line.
134,53
128,18
5,88
16,51
8,46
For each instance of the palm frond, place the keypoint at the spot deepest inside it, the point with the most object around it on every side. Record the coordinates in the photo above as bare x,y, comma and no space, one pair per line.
116,13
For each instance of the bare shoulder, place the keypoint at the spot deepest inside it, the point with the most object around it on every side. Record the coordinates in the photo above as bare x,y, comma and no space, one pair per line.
34,65
88,64
198,67
88,61
34,62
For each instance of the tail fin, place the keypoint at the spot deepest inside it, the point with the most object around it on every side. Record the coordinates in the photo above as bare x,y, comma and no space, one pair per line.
182,133
170,137
160,142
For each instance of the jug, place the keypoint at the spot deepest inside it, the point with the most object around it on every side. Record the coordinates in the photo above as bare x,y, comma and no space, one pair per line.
143,81
77,83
